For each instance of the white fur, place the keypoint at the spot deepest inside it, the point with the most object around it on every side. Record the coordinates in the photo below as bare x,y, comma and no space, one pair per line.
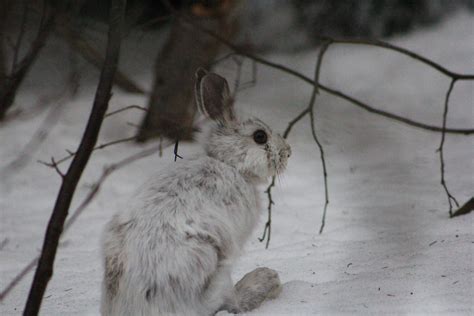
169,252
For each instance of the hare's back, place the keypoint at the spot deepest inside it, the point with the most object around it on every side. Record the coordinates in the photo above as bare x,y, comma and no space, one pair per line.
192,187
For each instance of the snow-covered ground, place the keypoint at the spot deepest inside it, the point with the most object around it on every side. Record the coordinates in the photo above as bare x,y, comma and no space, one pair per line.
388,245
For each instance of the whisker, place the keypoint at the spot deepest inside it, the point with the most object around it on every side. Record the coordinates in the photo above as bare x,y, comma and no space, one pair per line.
278,175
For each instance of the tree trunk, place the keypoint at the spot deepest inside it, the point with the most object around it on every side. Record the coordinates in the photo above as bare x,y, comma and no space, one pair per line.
171,108
44,271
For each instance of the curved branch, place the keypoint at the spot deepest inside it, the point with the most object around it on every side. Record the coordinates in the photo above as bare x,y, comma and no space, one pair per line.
401,50
329,90
451,198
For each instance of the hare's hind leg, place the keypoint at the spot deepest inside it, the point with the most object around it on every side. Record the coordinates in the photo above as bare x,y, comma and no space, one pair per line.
220,293
256,286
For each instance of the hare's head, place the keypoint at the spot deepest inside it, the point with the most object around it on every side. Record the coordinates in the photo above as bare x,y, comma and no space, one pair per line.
249,145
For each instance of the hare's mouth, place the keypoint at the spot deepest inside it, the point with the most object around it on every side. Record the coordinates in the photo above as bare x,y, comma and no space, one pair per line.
282,161
279,166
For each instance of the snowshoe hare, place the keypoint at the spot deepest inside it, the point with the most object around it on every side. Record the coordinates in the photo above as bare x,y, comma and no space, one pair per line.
170,252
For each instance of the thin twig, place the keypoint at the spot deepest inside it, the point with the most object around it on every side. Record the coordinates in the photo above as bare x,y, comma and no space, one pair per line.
267,231
451,198
104,145
323,162
101,146
18,278
308,110
133,125
129,107
293,122
95,188
401,50
55,166
322,51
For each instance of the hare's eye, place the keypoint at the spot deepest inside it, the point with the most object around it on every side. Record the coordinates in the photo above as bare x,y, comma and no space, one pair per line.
260,137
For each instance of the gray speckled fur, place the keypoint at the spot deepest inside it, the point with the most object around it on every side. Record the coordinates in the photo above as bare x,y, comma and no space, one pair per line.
169,252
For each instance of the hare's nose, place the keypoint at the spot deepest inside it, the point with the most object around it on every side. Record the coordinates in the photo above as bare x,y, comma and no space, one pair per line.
285,153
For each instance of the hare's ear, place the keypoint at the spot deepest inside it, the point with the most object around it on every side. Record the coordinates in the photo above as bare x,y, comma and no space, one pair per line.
213,97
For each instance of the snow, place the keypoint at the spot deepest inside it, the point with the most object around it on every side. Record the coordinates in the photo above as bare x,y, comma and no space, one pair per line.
388,245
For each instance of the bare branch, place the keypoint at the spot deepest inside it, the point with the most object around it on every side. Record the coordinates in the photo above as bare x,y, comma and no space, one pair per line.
331,91
54,165
55,227
133,125
104,145
451,198
325,174
322,51
267,231
18,278
453,75
126,109
101,146
404,51
95,188
308,110
71,154
293,122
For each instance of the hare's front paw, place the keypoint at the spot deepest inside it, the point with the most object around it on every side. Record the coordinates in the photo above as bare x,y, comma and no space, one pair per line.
256,286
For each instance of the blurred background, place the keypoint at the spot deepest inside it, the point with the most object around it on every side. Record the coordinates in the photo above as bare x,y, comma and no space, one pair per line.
174,50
